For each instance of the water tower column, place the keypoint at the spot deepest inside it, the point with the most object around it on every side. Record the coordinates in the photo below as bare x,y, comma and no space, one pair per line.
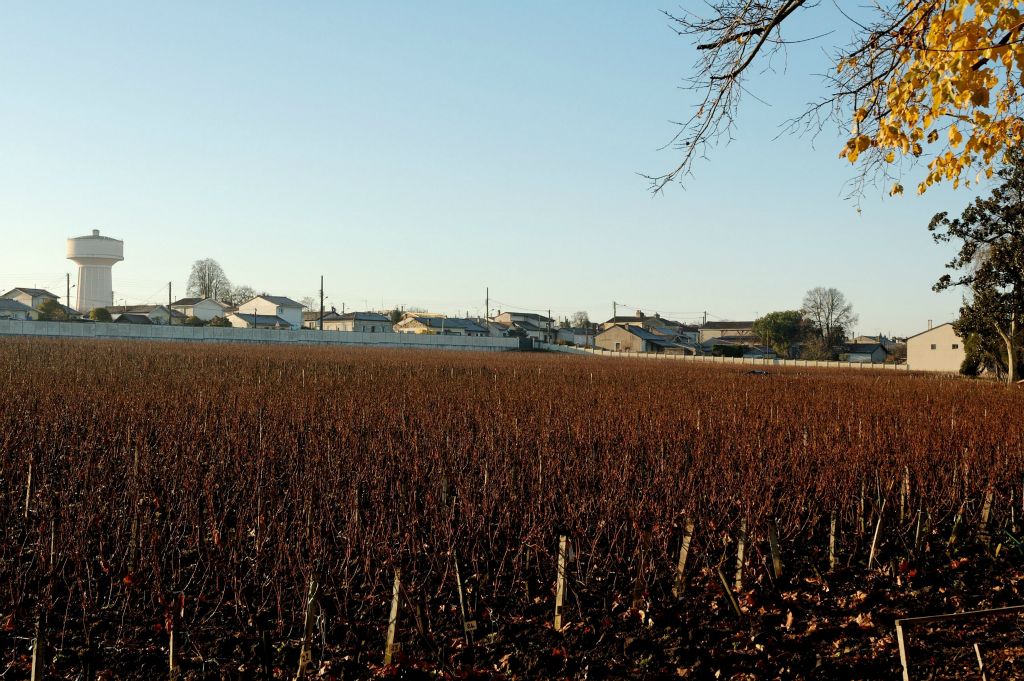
95,256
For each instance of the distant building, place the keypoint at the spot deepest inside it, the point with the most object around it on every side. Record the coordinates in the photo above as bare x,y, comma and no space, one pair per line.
448,326
536,326
582,336
358,322
13,309
156,314
937,349
274,306
200,308
710,330
35,297
635,338
746,345
874,353
247,320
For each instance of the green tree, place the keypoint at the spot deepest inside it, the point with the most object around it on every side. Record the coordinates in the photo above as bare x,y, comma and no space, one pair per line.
780,330
219,322
100,314
52,311
990,263
193,321
395,315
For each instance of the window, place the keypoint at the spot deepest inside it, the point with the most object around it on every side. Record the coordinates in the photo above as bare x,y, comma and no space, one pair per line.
956,346
617,346
933,346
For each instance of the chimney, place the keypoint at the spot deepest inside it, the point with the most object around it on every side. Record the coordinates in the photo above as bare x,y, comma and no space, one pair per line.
929,324
95,232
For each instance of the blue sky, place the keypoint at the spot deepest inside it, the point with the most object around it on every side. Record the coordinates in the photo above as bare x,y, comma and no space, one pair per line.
416,154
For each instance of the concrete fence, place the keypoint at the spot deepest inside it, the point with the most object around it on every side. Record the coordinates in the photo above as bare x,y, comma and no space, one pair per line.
212,334
706,359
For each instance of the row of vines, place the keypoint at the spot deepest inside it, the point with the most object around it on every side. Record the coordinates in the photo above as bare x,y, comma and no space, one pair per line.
147,489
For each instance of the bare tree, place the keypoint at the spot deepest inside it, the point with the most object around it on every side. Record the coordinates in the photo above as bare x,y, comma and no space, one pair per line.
830,313
238,295
207,279
580,320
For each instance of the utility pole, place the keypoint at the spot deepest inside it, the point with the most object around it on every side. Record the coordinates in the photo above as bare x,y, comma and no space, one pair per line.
170,312
321,302
68,282
487,303
549,325
615,311
705,318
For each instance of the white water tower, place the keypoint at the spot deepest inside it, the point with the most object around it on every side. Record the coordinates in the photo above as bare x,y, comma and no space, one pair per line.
95,256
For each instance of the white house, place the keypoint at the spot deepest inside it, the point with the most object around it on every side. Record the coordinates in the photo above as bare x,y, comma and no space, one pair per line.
13,309
937,349
200,308
34,297
274,306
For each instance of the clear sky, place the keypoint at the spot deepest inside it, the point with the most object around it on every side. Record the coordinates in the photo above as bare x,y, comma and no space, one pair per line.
414,153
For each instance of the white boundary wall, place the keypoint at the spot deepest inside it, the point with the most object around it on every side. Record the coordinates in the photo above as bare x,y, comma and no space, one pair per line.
706,359
212,334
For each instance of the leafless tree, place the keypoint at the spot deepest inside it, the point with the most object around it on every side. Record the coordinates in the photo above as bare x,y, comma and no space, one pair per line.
238,295
580,320
737,37
207,279
829,312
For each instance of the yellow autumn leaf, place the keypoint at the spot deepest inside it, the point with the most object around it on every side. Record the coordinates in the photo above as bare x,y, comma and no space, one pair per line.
954,136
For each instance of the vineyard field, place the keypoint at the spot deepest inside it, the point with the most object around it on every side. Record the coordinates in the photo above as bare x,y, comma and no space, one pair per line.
205,512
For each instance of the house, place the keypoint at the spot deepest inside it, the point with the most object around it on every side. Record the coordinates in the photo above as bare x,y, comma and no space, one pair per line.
937,349
634,338
274,306
413,322
157,314
873,353
14,309
710,330
247,320
132,318
360,322
35,297
745,345
535,326
582,336
200,308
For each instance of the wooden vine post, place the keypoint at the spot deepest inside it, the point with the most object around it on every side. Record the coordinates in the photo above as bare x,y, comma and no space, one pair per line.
173,671
306,653
38,652
729,594
878,533
684,551
468,626
390,647
740,551
832,542
563,542
773,541
28,488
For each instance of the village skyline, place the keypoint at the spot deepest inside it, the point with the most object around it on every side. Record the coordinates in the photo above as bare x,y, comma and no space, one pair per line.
420,174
